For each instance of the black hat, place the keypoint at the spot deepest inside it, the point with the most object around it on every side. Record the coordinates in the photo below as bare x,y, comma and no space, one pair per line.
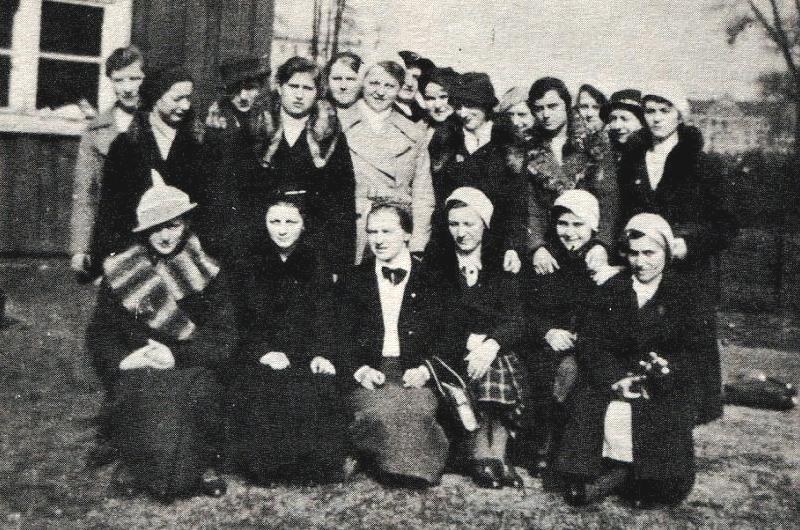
414,60
474,89
447,78
629,99
157,83
240,69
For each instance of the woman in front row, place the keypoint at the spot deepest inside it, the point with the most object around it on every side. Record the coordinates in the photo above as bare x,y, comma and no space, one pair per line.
487,312
163,326
286,418
631,427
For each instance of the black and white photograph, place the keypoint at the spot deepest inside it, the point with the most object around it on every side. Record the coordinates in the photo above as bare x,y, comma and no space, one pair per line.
414,264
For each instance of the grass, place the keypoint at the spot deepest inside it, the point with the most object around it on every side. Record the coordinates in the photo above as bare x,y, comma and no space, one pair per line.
747,478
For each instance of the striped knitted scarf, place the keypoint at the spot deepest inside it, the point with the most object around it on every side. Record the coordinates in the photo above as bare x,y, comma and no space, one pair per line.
151,291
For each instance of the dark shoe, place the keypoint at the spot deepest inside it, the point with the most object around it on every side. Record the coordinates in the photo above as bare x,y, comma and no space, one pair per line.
123,482
575,494
100,455
511,478
212,485
539,466
488,473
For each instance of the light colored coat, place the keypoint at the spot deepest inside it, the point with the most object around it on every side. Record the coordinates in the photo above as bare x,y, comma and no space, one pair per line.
92,153
392,163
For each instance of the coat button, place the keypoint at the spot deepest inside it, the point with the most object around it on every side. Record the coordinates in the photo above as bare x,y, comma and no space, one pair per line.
411,332
413,295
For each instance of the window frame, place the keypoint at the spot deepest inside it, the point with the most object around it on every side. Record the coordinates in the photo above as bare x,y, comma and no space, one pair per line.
21,114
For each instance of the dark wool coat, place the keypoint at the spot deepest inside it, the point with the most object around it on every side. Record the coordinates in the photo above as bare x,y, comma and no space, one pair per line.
417,112
285,423
545,180
554,301
488,170
615,337
691,197
166,424
127,175
329,198
422,324
232,215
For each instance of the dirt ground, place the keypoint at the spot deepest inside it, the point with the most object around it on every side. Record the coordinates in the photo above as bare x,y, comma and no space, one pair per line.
748,462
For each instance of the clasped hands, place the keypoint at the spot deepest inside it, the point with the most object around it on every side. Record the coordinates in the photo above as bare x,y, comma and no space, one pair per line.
154,355
482,353
370,378
279,361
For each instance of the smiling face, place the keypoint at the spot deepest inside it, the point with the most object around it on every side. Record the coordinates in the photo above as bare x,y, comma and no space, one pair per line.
126,82
646,258
471,117
662,118
550,111
386,237
245,94
466,228
589,110
175,104
521,117
621,124
284,225
344,84
380,89
437,101
298,94
166,237
409,89
572,231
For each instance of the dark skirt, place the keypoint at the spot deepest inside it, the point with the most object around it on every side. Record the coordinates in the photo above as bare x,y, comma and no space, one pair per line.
167,427
287,425
396,428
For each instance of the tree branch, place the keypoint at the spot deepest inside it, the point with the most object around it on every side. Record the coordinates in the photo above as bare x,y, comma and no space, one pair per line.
777,34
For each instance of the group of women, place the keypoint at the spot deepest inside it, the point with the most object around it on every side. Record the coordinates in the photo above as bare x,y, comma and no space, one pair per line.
409,226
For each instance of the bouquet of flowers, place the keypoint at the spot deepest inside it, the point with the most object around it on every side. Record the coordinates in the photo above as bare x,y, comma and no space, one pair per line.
633,386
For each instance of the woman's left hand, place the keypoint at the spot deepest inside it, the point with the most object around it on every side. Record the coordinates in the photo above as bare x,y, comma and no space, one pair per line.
597,257
416,377
511,262
481,358
321,365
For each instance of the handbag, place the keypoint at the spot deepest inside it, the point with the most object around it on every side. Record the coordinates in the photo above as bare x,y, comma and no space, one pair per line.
455,393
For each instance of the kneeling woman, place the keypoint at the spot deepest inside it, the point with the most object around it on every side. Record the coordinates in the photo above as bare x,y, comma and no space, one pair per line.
631,426
286,418
163,325
487,312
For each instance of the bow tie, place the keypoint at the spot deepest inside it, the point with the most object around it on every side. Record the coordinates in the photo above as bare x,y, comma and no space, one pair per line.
394,275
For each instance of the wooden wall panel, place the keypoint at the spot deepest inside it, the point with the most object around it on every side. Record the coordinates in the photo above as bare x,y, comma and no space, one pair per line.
36,193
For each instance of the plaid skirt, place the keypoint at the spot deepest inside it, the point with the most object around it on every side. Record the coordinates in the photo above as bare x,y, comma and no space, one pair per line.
505,383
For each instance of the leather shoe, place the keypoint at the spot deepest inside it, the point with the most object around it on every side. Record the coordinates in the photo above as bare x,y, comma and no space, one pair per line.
488,473
575,494
511,478
212,485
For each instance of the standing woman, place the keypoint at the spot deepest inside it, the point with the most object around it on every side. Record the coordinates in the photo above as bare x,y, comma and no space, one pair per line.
479,160
163,327
286,418
513,107
561,157
668,174
343,76
632,420
389,154
590,103
554,305
162,136
488,315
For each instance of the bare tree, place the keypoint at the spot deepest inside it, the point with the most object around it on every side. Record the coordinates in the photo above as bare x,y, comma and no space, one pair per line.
316,29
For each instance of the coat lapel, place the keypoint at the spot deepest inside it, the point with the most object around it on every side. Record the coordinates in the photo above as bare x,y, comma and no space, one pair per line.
381,150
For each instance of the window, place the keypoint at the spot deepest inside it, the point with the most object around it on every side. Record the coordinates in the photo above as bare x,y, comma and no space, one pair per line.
51,60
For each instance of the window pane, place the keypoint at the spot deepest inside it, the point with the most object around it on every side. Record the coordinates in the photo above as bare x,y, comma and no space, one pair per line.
64,82
71,28
7,9
5,75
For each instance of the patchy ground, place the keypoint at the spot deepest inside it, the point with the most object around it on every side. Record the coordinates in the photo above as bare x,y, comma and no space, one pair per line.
749,462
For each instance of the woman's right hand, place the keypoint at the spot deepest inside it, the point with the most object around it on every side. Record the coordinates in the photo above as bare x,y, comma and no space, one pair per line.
370,378
215,119
276,360
544,262
560,339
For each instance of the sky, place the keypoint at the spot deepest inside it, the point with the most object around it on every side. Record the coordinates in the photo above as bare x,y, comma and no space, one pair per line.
613,44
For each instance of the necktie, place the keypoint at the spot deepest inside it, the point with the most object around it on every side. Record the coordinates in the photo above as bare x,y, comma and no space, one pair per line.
470,273
394,275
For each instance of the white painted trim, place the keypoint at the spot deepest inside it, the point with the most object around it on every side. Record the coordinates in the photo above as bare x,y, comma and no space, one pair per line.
25,55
